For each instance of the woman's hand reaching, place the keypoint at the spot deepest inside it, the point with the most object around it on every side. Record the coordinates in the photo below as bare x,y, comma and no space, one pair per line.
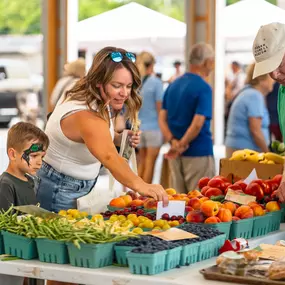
155,191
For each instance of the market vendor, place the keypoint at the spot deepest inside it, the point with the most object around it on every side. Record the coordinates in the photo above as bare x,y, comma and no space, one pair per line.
82,136
269,53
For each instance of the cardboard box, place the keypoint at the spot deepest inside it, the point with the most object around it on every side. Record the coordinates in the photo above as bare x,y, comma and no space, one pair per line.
235,170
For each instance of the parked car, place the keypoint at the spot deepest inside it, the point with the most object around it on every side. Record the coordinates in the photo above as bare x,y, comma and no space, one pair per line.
15,77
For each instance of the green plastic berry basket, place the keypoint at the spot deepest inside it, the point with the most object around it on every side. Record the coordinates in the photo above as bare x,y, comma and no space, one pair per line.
190,254
173,258
147,263
149,211
275,220
261,225
19,246
146,229
2,249
221,227
52,251
91,255
113,209
242,228
283,212
207,249
121,254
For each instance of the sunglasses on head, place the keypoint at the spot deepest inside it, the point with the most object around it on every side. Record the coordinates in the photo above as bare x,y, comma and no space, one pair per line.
117,56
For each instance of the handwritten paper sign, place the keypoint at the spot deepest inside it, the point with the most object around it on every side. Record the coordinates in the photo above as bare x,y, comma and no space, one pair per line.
173,234
272,252
239,198
174,208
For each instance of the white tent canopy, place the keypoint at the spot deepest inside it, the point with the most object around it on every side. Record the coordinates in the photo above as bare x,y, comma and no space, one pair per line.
135,28
244,18
242,22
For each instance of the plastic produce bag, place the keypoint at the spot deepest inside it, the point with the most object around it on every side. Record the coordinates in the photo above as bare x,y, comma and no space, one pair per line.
277,270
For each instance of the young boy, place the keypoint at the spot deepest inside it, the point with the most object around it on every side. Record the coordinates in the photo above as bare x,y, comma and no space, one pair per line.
26,147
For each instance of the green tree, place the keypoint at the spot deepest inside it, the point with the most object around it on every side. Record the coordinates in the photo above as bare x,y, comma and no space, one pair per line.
20,17
229,2
175,8
24,17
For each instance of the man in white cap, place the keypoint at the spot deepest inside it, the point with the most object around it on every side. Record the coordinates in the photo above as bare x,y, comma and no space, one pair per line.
269,53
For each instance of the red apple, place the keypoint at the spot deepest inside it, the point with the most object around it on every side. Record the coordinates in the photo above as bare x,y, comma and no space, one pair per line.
203,182
254,189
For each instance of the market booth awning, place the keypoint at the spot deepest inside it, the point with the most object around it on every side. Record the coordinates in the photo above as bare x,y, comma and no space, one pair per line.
242,22
135,28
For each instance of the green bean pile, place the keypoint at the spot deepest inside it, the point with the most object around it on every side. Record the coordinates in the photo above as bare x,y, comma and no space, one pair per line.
62,229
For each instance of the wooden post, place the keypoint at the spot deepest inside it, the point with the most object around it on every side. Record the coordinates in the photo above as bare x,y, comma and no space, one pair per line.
54,29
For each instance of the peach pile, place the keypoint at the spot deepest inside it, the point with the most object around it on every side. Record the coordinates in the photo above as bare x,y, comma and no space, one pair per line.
127,201
211,212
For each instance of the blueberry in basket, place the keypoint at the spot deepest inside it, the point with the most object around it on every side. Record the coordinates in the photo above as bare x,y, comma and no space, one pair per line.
204,233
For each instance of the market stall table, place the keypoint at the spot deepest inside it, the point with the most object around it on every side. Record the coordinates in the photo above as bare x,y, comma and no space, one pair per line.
121,276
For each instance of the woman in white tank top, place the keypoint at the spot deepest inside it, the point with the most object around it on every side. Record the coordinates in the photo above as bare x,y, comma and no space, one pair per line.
82,136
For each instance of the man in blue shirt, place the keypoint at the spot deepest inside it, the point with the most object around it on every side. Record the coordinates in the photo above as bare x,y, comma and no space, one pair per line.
185,121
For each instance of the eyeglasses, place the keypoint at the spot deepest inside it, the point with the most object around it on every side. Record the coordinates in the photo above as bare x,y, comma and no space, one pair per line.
118,56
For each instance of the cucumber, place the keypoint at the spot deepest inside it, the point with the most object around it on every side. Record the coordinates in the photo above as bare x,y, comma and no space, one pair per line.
219,198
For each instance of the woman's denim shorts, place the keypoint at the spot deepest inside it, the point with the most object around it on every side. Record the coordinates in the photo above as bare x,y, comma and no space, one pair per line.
57,191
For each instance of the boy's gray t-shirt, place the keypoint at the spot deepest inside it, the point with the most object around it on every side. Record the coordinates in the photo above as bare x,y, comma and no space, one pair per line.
15,191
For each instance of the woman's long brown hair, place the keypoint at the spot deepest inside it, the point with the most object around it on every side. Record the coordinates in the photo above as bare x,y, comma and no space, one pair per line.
101,72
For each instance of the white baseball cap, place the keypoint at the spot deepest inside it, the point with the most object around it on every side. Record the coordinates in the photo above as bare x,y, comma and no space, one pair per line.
268,48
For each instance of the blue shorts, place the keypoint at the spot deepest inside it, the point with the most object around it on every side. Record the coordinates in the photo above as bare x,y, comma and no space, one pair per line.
57,191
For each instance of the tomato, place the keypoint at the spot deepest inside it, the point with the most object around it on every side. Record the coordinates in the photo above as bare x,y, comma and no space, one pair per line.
241,184
217,182
277,178
203,182
255,189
